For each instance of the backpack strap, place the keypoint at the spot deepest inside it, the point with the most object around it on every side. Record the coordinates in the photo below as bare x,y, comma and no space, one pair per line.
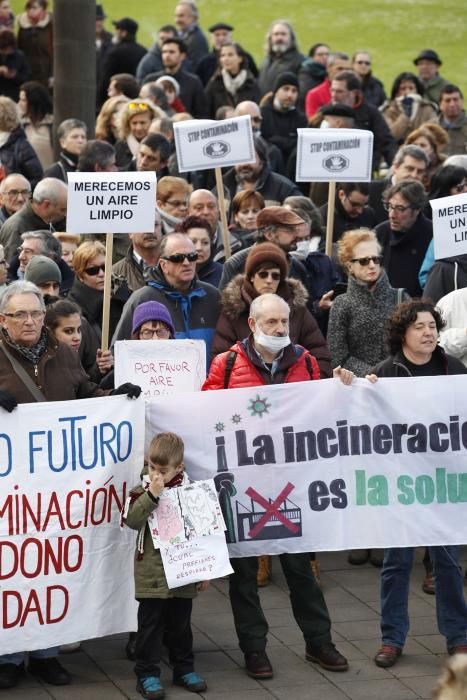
23,376
232,356
312,366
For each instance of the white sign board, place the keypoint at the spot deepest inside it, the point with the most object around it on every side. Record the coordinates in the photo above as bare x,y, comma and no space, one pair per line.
325,155
450,225
319,466
161,367
111,202
199,559
202,144
66,565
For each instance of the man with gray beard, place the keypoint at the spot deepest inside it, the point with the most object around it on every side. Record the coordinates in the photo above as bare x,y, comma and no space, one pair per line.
282,54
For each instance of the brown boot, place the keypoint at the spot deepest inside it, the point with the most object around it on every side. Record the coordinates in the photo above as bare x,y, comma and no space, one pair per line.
264,571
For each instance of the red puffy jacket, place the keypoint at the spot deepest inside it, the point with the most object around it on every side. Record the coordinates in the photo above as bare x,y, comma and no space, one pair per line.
243,373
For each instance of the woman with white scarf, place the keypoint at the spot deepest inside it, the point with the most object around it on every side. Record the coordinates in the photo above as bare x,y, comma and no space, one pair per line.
232,82
135,120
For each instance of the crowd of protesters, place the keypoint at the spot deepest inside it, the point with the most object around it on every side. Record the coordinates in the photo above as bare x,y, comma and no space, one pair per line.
328,313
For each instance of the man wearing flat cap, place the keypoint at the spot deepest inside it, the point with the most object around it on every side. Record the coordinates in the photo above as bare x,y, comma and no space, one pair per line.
221,34
337,117
428,63
124,56
281,118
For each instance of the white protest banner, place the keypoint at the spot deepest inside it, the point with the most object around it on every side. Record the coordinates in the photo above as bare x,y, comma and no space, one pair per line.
161,367
342,155
450,225
200,559
202,144
111,202
319,466
66,566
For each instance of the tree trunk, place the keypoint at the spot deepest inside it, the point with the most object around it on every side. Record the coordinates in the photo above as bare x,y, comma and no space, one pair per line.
74,63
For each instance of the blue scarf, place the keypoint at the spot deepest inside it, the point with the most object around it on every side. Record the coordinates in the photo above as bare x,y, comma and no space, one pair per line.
183,299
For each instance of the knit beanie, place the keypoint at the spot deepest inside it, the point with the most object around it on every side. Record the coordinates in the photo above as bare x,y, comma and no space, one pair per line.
266,253
286,78
42,269
151,311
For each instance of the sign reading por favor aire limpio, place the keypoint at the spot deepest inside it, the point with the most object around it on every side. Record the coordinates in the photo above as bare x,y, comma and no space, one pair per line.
343,155
111,202
203,144
450,225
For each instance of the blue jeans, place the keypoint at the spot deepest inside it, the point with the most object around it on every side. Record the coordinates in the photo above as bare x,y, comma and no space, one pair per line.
20,656
451,609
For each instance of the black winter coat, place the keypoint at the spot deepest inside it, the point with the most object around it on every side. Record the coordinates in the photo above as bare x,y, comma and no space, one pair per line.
445,276
217,95
384,145
403,253
18,156
280,128
17,63
395,365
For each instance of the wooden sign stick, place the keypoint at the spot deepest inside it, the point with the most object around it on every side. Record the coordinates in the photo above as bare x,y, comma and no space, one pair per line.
224,225
107,291
330,221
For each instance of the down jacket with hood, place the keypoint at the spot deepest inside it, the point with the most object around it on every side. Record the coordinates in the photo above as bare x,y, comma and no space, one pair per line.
303,330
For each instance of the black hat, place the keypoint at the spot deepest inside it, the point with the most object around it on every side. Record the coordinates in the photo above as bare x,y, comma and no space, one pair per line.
428,55
100,14
127,24
338,110
221,25
286,78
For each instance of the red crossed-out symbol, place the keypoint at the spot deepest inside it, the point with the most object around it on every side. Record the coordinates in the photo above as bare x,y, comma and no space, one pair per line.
272,509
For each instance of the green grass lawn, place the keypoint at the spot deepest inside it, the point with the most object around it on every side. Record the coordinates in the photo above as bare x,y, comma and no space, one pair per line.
392,30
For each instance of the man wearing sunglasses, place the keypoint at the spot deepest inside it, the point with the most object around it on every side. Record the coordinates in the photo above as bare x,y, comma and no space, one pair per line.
193,305
351,208
406,234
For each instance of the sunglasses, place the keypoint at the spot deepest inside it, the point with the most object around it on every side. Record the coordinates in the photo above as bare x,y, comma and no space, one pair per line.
140,106
363,63
376,259
94,270
181,257
264,274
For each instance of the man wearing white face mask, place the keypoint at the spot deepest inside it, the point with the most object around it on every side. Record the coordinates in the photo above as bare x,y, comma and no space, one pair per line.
268,357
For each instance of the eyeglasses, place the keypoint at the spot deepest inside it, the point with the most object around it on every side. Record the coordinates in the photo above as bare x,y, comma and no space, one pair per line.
16,193
177,203
322,53
149,333
376,259
397,207
26,251
94,270
24,315
363,63
355,205
140,106
264,274
181,257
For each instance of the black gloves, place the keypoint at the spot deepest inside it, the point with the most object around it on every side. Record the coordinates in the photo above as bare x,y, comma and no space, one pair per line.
131,390
8,401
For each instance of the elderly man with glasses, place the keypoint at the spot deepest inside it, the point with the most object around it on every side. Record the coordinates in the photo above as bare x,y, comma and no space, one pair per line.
15,190
193,305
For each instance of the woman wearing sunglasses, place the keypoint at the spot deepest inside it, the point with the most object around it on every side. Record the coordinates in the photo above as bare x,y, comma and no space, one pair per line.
88,292
357,319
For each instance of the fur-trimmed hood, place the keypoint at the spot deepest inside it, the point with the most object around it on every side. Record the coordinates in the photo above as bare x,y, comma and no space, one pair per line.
237,296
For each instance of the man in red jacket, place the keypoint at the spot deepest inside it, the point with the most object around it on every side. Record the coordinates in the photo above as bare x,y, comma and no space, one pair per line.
268,357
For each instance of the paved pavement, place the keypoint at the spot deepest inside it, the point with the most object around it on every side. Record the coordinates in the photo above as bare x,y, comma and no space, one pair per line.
101,671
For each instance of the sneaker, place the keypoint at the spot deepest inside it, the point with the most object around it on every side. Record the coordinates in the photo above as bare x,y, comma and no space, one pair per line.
428,584
357,557
264,571
150,687
327,657
258,665
10,675
192,682
49,670
458,649
387,656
